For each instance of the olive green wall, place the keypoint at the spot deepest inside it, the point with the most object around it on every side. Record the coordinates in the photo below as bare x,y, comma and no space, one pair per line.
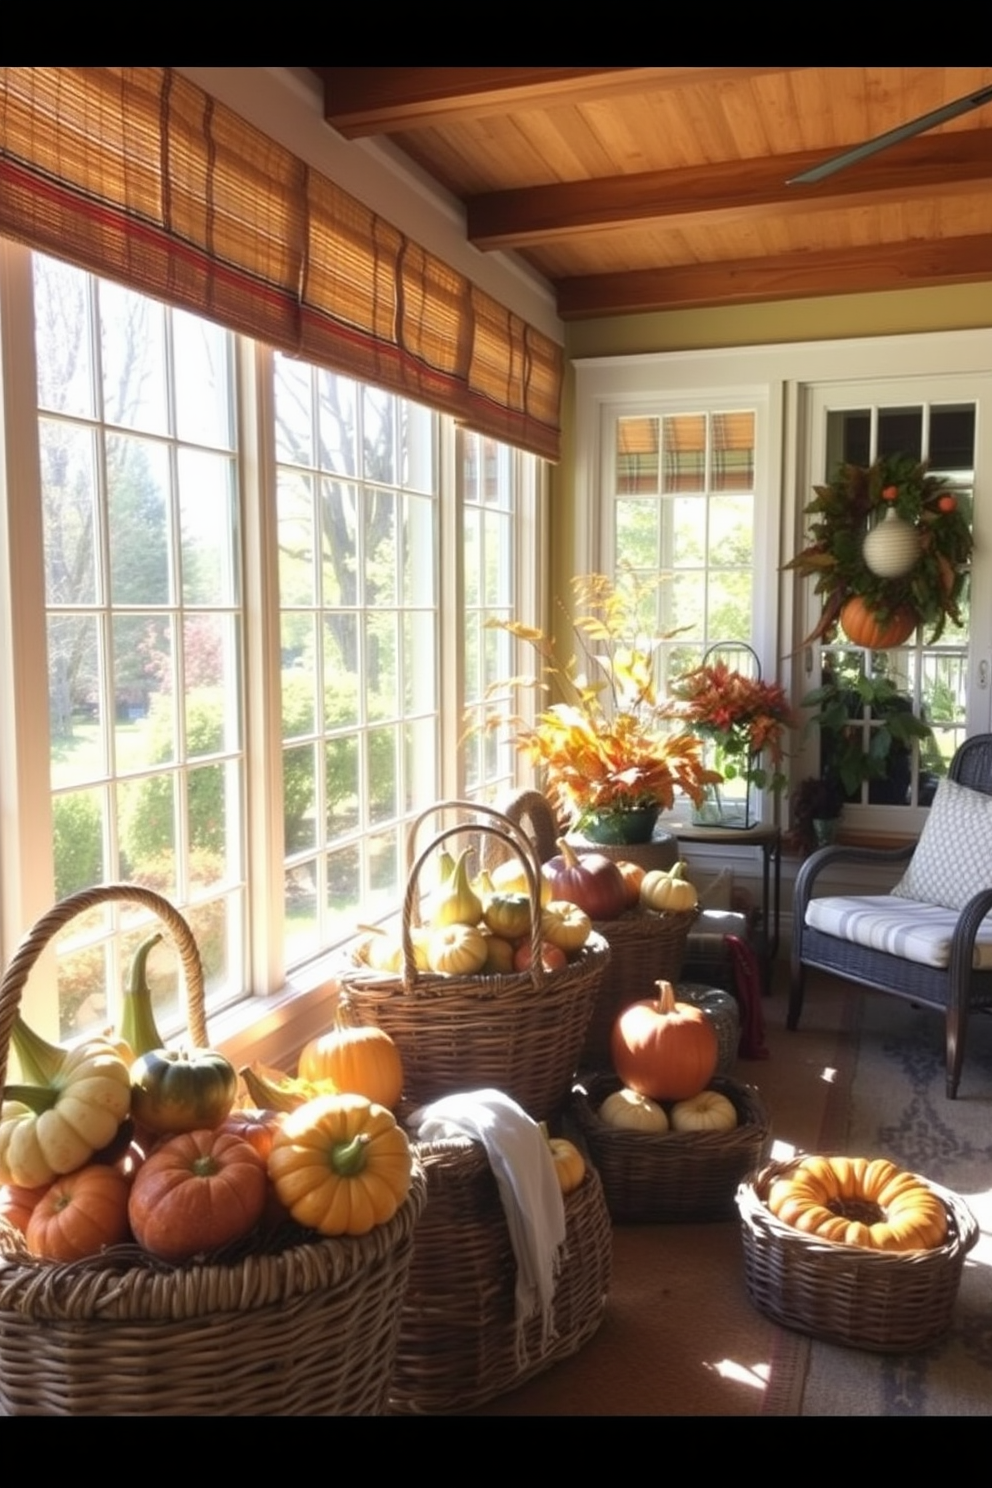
956,307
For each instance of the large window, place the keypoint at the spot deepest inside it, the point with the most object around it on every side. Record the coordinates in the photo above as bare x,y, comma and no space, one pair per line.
683,513
231,635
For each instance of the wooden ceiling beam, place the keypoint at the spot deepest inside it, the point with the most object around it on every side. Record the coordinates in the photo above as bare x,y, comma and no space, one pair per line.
880,267
729,191
360,101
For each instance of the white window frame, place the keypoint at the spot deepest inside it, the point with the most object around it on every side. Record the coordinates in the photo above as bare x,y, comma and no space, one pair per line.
779,377
278,999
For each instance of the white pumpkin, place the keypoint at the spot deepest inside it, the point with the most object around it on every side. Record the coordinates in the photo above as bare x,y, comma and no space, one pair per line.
628,1110
707,1111
668,889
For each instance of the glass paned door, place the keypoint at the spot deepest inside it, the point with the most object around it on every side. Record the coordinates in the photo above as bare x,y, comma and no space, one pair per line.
937,680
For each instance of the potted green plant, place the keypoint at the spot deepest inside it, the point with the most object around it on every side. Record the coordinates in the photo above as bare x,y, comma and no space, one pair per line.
816,806
839,707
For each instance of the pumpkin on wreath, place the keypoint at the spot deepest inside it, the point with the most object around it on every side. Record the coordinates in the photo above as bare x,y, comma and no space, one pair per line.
889,546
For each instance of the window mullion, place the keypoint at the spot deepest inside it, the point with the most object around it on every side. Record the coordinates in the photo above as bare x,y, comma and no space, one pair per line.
265,873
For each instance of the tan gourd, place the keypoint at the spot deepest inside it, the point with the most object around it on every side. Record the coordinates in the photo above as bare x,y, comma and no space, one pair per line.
668,889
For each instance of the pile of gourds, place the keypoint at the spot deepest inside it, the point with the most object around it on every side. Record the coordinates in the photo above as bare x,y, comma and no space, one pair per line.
483,926
665,1053
121,1140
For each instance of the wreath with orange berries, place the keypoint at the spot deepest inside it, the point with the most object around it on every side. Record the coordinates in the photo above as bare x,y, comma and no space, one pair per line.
843,512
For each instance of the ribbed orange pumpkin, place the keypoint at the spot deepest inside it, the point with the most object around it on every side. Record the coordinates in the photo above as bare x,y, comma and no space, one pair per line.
667,1050
360,1061
79,1214
865,627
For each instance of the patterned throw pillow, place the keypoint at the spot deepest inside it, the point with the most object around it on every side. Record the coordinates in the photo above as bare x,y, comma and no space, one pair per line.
953,858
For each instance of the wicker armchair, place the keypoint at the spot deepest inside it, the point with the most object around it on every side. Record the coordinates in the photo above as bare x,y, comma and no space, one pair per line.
914,948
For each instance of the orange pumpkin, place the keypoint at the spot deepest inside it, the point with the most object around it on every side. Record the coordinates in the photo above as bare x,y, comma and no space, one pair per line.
632,874
257,1128
79,1214
866,627
667,1050
197,1191
360,1061
16,1204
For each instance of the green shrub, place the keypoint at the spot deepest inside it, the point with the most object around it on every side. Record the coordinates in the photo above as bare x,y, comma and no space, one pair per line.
147,819
78,842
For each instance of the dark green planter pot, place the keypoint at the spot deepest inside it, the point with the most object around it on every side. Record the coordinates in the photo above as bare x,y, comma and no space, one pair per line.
614,828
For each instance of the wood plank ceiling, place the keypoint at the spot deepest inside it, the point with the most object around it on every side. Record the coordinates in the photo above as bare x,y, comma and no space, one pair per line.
656,188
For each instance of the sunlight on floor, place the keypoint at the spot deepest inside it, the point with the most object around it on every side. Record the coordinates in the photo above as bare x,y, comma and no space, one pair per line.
828,1075
757,1376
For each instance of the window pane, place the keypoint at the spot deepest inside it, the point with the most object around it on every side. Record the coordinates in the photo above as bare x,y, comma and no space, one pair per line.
141,688
929,678
361,574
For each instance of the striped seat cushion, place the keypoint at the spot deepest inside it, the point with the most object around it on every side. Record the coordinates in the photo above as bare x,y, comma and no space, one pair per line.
902,927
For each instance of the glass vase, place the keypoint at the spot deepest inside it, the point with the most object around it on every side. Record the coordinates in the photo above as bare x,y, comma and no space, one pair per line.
732,803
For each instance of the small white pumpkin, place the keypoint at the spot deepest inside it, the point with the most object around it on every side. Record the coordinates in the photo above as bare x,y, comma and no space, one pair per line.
707,1111
628,1110
669,889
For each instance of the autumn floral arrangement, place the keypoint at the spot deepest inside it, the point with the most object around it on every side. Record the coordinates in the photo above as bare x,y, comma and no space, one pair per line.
887,543
746,718
606,747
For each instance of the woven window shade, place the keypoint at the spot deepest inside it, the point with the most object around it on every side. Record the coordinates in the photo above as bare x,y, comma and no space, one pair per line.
137,175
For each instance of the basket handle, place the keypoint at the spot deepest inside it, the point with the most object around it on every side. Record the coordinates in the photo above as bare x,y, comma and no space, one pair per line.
50,923
532,805
474,809
522,849
718,646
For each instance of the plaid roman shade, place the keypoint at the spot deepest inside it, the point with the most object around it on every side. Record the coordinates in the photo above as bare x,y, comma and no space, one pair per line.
136,174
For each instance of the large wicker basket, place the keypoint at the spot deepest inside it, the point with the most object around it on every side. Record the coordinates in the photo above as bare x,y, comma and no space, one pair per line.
521,1032
459,1343
680,1176
885,1301
645,945
296,1325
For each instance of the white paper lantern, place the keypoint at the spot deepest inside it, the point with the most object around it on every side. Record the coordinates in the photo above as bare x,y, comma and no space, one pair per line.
892,548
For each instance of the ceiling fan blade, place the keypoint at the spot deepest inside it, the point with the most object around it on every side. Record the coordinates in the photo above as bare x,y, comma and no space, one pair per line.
893,136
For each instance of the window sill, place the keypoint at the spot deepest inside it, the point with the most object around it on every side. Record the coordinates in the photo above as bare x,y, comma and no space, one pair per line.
274,1029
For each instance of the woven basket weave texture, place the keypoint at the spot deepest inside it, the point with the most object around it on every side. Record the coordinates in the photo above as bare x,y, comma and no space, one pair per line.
680,1176
521,1032
884,1301
296,1325
458,1332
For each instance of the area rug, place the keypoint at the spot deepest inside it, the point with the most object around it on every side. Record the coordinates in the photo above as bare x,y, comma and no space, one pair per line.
897,1109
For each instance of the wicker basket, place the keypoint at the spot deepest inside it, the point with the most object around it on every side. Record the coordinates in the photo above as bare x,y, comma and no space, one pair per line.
680,1176
300,1325
645,947
521,1032
885,1301
458,1344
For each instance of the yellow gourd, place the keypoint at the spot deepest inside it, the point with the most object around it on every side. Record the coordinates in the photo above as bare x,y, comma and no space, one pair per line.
668,889
341,1165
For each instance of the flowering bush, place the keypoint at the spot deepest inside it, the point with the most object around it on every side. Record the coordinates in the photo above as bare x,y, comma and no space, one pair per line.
745,717
607,747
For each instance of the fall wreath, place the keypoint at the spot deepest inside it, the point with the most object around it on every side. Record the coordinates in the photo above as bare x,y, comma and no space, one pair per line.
847,510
